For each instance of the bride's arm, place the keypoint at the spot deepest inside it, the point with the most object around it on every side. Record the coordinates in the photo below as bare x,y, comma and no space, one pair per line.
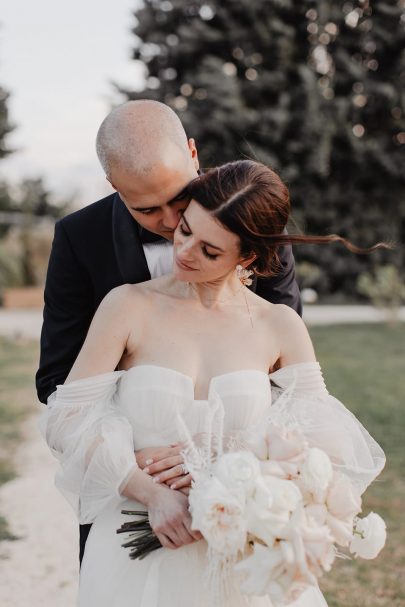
107,336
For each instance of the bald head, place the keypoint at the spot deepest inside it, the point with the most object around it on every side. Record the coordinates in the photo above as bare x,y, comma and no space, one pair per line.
139,135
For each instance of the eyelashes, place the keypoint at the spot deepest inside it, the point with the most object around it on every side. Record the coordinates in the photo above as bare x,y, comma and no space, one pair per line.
208,255
203,249
183,231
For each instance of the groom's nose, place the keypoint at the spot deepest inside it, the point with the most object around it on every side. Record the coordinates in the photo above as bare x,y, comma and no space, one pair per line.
171,217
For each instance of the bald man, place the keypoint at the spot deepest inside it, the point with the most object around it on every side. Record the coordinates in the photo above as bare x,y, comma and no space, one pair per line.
126,237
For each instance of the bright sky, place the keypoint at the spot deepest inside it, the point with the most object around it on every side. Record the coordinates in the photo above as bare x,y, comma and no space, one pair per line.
57,60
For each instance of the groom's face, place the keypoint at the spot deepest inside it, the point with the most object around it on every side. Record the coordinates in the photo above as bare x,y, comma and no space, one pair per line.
156,199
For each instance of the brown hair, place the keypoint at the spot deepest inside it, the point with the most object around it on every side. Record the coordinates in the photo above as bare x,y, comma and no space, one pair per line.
250,200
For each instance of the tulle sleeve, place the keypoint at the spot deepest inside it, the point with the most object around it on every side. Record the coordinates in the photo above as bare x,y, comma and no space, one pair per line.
92,441
300,398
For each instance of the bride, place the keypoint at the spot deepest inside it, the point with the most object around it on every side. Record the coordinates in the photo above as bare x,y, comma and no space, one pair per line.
175,340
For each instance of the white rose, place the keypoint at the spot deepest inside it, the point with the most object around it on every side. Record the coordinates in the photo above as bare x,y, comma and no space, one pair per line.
268,510
369,536
285,494
316,513
285,444
261,571
219,515
316,472
343,501
238,471
287,470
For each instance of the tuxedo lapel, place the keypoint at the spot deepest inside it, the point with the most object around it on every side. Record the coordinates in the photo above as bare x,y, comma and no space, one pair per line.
127,245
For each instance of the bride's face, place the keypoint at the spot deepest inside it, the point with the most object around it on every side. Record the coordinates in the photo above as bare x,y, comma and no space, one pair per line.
204,251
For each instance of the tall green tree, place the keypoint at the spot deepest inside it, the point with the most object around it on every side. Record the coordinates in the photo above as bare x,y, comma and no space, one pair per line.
312,88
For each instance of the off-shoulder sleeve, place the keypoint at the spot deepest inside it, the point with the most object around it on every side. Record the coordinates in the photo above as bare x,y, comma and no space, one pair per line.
300,398
92,441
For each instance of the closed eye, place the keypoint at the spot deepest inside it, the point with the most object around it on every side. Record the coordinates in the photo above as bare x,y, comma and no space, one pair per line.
183,231
209,255
146,211
203,249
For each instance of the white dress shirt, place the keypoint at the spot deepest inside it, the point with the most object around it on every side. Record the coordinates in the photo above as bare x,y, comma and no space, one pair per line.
159,257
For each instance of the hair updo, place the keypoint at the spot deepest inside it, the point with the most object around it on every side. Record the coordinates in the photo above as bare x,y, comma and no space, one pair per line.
251,200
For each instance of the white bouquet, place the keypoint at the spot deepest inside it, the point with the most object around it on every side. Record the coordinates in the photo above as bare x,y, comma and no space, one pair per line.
274,512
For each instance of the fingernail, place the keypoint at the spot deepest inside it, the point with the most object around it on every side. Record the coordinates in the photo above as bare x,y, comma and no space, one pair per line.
149,461
174,486
156,479
146,470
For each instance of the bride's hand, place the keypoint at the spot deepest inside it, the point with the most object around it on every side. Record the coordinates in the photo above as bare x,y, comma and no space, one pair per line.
151,455
167,466
170,519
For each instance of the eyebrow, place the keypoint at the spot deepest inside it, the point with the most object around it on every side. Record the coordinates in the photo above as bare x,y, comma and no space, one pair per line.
178,196
207,244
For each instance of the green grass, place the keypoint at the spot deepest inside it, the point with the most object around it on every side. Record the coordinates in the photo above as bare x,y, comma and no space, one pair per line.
364,366
18,361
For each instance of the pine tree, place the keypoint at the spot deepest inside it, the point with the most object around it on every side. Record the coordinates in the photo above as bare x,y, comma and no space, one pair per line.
311,88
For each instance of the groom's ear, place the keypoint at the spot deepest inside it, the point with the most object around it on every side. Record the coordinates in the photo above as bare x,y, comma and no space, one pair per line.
109,181
194,153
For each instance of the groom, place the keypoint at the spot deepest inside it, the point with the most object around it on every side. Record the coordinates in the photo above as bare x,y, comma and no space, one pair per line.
126,238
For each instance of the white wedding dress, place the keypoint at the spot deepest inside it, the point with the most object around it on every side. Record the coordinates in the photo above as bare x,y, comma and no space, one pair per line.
94,425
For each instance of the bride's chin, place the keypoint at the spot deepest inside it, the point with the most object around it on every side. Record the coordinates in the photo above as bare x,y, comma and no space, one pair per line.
181,275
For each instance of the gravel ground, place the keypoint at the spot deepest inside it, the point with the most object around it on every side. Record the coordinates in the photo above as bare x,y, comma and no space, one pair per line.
40,568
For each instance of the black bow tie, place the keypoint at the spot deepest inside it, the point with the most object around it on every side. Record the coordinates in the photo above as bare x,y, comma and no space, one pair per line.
147,237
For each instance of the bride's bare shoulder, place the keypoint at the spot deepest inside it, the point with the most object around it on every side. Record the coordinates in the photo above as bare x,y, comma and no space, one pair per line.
127,295
281,313
292,334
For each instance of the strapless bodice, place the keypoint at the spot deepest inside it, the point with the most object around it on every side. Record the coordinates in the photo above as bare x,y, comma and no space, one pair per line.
151,396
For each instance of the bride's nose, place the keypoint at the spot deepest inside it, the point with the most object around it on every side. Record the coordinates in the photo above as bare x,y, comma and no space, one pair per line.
185,248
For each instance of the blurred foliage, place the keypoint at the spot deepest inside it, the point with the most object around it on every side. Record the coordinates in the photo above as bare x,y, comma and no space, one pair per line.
26,233
5,125
10,268
385,288
27,215
312,88
310,276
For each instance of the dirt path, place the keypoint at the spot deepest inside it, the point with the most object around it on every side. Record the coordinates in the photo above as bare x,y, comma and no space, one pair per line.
39,569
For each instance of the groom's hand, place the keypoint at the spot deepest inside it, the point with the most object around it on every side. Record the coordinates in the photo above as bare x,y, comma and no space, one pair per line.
165,464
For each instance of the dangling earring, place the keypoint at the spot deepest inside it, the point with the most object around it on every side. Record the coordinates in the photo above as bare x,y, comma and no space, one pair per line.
244,274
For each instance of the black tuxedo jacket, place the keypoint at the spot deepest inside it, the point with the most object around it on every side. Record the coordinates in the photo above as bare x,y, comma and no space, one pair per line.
93,251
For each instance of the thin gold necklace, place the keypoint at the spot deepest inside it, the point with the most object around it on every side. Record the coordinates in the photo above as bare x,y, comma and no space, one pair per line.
192,287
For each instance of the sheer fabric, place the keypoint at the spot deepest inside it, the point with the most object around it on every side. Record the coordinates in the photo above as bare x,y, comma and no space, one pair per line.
93,442
301,398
